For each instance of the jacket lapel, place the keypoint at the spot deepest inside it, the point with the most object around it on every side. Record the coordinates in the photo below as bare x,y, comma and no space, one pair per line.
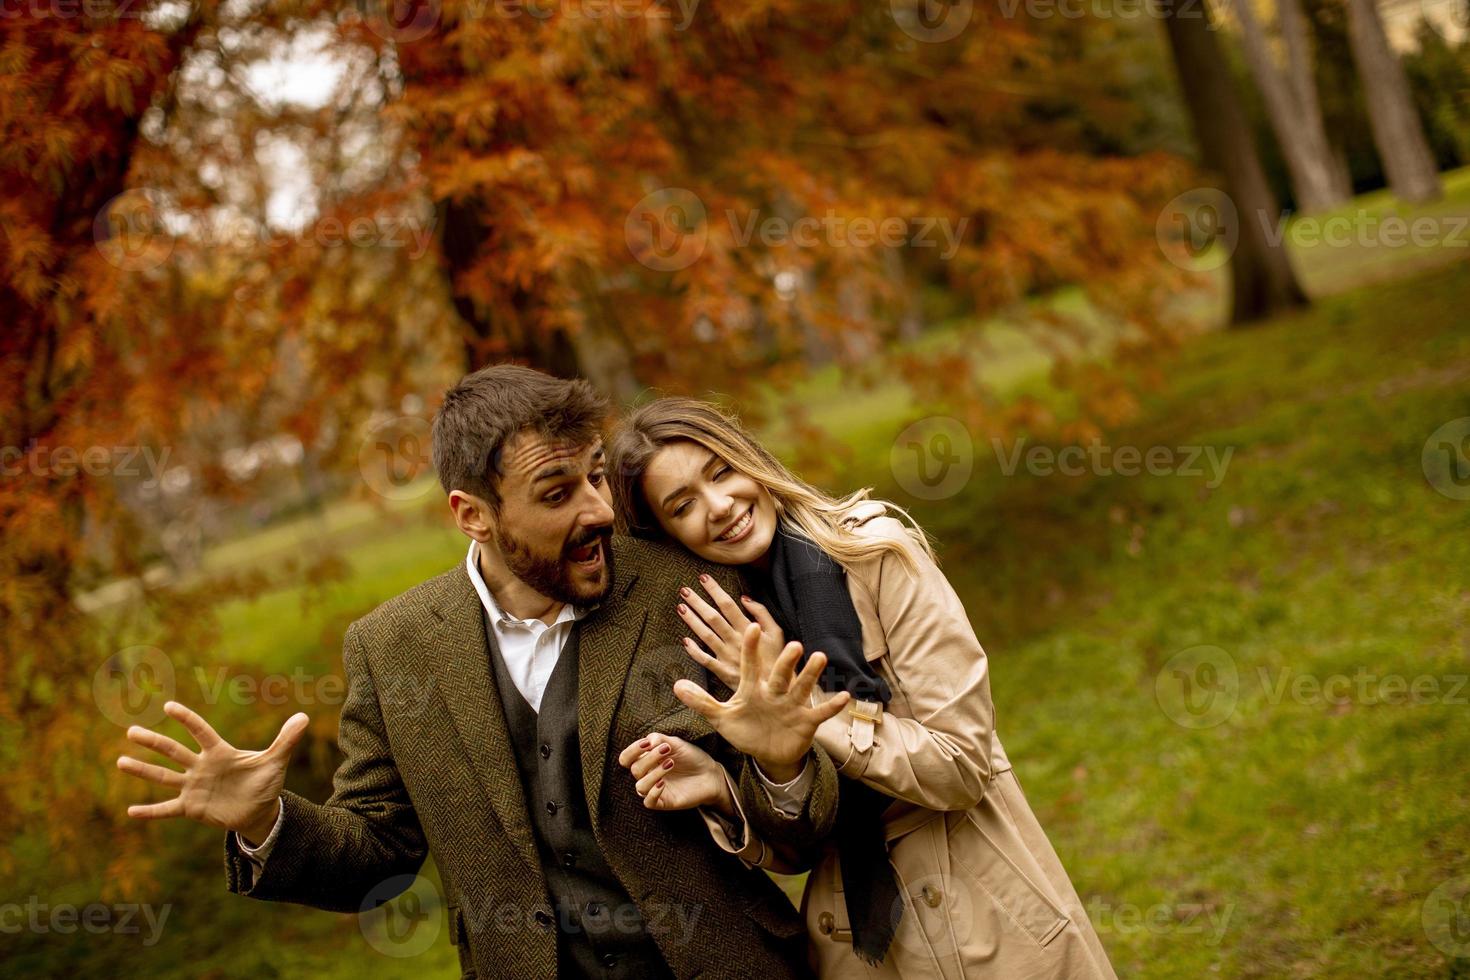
467,685
609,640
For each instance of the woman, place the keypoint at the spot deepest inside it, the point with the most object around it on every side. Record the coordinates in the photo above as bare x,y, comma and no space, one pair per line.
938,866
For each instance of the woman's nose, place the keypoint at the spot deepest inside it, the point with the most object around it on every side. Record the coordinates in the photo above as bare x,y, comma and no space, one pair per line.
720,506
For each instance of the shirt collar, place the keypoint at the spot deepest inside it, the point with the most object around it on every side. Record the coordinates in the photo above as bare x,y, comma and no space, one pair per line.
499,616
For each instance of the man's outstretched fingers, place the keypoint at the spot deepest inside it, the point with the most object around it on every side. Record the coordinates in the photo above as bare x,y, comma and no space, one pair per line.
696,697
150,772
290,734
806,681
205,735
161,744
157,811
784,667
833,706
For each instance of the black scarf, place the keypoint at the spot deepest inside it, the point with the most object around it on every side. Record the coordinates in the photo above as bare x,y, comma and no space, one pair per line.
806,592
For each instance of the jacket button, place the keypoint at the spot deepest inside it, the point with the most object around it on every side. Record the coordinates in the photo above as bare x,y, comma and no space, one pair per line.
932,896
545,751
543,918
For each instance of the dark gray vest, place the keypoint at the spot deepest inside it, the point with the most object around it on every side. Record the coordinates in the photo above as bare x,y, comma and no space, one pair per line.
600,931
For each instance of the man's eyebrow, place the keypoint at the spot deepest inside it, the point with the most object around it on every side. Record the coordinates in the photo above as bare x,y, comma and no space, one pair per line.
665,502
563,468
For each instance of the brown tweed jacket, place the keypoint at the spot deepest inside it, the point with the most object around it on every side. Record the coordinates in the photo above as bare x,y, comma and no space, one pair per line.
429,769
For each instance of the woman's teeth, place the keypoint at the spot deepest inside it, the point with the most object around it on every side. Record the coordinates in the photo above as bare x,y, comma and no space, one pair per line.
737,528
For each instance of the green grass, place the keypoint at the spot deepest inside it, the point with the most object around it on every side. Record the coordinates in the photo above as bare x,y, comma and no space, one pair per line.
1296,838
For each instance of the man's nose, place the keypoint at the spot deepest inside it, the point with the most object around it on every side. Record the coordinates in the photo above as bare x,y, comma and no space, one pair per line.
598,512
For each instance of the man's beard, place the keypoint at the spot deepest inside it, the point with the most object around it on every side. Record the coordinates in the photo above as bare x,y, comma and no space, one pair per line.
551,575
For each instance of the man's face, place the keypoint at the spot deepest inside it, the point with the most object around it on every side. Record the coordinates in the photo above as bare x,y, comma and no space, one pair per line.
554,526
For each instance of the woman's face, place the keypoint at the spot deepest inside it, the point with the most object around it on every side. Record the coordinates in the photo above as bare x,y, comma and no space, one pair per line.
707,506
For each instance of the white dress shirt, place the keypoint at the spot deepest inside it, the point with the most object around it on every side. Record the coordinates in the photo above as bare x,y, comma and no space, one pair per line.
531,649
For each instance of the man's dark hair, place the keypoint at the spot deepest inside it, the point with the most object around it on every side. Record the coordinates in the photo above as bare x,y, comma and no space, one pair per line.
486,409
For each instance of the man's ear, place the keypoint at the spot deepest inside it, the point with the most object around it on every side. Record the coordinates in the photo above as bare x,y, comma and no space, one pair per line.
473,515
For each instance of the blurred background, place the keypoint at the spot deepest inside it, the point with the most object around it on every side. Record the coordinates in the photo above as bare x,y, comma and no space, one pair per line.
1153,313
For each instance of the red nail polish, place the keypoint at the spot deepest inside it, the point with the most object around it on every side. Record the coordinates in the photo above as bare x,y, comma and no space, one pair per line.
644,744
664,749
683,608
669,764
704,578
683,590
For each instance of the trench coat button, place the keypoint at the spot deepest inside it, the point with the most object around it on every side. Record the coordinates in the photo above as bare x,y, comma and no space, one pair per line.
932,896
825,923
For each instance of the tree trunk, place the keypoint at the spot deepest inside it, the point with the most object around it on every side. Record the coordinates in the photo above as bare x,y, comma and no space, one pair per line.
1397,132
1297,124
1262,279
1300,70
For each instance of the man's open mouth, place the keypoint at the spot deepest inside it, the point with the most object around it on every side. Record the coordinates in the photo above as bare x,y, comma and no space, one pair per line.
589,556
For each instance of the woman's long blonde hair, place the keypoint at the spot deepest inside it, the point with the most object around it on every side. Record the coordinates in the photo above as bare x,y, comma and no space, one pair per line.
803,508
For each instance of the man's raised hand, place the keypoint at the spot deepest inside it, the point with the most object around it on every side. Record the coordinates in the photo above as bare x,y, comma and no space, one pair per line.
770,718
220,785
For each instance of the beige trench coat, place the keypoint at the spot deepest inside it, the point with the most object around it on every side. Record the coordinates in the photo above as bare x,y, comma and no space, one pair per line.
985,894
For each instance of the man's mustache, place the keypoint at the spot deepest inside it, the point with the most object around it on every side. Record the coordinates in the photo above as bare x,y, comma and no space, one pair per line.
587,537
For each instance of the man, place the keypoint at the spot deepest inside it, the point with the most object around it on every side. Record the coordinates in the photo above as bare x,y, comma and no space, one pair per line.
484,714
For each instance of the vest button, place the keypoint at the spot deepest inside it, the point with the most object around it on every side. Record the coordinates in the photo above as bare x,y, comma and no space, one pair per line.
569,859
609,960
545,751
551,807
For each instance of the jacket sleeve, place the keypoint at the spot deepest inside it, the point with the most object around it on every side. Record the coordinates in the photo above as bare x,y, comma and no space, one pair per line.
364,845
940,758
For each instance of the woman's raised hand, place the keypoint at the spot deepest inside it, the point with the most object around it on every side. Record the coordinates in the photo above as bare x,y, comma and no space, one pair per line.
770,716
720,626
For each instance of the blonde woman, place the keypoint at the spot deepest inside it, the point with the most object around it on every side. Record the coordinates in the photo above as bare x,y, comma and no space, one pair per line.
937,868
